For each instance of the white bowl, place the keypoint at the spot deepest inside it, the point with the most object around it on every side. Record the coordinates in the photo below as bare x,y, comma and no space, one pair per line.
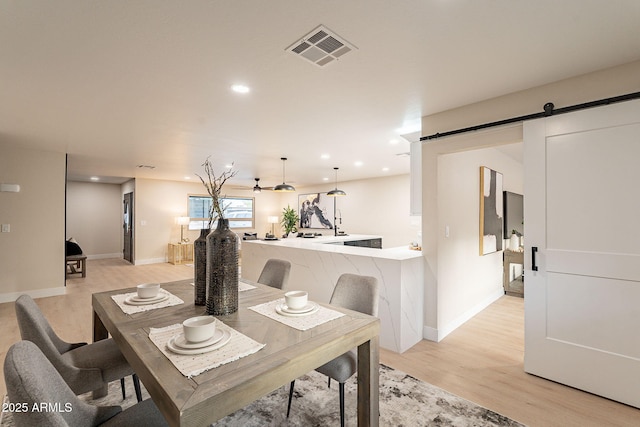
296,299
199,328
148,290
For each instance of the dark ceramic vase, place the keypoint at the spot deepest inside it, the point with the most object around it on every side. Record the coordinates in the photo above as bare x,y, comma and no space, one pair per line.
222,270
200,268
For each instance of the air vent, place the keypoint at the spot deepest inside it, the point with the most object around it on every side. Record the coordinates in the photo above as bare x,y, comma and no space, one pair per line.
321,46
145,167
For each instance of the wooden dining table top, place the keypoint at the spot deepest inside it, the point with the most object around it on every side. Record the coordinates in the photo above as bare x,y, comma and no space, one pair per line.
288,354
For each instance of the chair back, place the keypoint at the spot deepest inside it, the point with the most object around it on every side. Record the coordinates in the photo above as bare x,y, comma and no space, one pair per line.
34,326
275,273
355,292
32,380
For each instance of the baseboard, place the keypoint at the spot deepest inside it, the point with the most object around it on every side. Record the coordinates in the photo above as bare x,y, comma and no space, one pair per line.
429,333
438,334
33,293
150,261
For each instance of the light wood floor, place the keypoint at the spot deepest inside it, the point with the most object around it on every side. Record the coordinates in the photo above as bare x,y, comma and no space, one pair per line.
481,361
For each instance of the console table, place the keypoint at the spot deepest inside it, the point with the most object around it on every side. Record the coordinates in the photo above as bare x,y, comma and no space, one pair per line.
180,253
512,287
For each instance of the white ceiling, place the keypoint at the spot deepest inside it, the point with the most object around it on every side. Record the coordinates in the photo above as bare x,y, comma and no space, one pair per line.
122,83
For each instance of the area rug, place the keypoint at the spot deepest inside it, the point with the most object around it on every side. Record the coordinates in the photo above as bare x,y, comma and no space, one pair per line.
404,401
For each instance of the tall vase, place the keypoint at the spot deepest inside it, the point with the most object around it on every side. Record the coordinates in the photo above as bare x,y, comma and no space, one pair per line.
514,242
222,270
200,268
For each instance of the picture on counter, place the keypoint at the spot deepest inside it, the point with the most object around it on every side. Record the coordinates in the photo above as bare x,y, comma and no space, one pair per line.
491,211
316,211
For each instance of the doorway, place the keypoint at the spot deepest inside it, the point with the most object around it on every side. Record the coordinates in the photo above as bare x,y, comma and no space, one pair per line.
467,282
127,227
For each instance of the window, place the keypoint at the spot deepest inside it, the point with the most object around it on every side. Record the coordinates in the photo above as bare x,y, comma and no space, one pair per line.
238,210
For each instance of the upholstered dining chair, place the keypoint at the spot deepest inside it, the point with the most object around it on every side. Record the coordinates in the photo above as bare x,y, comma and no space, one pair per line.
32,380
275,273
353,292
85,367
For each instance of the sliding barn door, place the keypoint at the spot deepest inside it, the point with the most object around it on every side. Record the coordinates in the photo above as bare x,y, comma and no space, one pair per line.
582,213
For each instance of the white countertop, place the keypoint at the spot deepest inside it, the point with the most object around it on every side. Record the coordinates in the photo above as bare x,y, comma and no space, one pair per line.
331,244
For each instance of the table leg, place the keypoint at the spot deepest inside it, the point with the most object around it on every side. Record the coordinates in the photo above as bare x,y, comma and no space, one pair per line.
99,333
99,330
368,379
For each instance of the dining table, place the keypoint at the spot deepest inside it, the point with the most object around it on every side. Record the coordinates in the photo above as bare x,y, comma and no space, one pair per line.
285,353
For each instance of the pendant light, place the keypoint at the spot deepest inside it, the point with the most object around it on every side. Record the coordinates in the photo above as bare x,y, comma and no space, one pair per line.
257,188
335,192
284,188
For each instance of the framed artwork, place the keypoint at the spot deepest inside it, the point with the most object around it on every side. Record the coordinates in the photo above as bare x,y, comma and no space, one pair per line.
491,211
316,210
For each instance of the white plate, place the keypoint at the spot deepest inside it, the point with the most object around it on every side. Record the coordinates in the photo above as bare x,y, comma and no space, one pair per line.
281,309
159,296
138,298
181,342
226,336
137,301
307,308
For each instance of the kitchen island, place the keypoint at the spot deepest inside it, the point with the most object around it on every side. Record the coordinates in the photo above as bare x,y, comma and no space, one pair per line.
316,264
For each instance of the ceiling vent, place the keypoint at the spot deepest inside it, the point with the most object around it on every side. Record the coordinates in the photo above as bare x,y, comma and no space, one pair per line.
321,46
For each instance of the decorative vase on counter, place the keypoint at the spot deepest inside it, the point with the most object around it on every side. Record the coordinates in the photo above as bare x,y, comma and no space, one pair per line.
200,268
222,270
514,242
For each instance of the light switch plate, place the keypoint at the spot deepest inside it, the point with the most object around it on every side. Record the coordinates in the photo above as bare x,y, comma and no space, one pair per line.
6,228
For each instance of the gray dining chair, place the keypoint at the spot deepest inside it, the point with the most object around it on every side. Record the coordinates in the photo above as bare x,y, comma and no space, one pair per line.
32,380
275,273
85,367
353,292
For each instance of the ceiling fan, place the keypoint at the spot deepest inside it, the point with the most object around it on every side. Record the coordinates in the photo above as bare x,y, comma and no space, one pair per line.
257,188
286,188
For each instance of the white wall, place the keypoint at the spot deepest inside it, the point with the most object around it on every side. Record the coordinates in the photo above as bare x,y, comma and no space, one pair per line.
467,281
32,253
94,218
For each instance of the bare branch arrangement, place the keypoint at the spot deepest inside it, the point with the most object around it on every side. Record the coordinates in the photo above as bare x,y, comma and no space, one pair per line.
214,184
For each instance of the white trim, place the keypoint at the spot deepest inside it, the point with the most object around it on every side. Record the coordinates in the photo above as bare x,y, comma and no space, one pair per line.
33,293
438,335
429,333
150,261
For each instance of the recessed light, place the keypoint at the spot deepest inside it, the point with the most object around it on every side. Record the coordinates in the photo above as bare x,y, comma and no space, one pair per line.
228,166
394,142
385,169
187,177
325,179
240,88
94,178
358,163
325,156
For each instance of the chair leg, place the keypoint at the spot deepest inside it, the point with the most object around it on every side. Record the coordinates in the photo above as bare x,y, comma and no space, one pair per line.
329,382
136,386
124,393
293,383
341,404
